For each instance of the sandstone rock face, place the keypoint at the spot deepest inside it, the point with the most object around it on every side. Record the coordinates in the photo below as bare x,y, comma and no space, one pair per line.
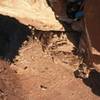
35,12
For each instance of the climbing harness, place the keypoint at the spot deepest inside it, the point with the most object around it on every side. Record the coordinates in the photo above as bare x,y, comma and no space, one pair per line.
74,9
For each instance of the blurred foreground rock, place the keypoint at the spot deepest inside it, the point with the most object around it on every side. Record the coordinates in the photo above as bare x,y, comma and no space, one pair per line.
34,12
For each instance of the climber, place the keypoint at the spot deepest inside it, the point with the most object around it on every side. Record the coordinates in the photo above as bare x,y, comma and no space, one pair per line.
75,9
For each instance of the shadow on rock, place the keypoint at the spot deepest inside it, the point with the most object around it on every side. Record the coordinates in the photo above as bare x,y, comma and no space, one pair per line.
93,82
12,35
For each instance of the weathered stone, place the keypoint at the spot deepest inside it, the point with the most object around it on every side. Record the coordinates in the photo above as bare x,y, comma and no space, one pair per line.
34,12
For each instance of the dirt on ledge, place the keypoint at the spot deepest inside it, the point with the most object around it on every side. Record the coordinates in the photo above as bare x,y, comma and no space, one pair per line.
35,76
38,75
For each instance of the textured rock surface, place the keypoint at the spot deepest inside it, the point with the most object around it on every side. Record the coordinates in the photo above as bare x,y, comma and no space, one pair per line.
34,12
